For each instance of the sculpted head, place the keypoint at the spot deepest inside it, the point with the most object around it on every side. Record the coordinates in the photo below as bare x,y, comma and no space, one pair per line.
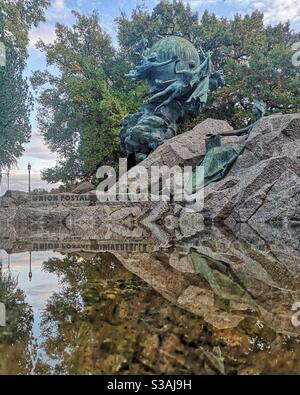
152,57
259,109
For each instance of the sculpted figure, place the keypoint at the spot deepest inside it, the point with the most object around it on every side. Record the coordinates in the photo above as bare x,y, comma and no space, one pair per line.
179,77
186,80
220,157
141,46
143,71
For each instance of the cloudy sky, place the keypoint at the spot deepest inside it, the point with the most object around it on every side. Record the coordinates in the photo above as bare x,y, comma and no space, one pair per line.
60,11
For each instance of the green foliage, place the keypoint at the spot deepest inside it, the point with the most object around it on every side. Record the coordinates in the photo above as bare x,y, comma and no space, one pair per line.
18,313
65,188
256,59
15,107
16,18
165,19
257,64
83,101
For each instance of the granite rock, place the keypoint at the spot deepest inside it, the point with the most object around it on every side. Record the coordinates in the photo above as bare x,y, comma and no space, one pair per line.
264,183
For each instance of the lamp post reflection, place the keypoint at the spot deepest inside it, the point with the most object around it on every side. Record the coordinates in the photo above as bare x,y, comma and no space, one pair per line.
30,267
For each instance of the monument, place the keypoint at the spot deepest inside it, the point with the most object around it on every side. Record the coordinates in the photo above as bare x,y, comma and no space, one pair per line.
180,76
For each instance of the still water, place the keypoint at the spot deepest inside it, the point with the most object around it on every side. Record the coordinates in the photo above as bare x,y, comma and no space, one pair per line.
218,302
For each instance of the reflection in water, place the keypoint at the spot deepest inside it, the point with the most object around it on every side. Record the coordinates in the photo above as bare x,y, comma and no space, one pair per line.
15,336
219,301
222,280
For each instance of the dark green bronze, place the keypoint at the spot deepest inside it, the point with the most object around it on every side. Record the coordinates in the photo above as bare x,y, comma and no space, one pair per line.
180,78
212,142
220,158
222,280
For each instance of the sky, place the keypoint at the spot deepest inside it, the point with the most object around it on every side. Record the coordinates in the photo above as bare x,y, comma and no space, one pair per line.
36,152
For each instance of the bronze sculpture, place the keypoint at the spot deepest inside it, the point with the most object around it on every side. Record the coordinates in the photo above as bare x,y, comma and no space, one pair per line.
184,83
179,79
220,158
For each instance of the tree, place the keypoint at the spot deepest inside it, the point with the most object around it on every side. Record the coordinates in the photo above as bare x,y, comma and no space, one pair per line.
165,19
16,19
19,314
83,102
15,107
257,64
256,59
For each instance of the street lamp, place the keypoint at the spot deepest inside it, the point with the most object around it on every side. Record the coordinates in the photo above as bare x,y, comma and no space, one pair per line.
29,170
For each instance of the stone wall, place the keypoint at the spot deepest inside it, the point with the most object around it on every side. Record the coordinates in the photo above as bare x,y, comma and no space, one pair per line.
262,186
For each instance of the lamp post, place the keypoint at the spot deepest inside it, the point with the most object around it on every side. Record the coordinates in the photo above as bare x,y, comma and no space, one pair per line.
29,170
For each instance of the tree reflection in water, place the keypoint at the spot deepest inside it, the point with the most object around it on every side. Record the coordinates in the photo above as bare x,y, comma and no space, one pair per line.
106,320
16,335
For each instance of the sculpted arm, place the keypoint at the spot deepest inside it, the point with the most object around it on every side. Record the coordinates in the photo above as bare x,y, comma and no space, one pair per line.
174,59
